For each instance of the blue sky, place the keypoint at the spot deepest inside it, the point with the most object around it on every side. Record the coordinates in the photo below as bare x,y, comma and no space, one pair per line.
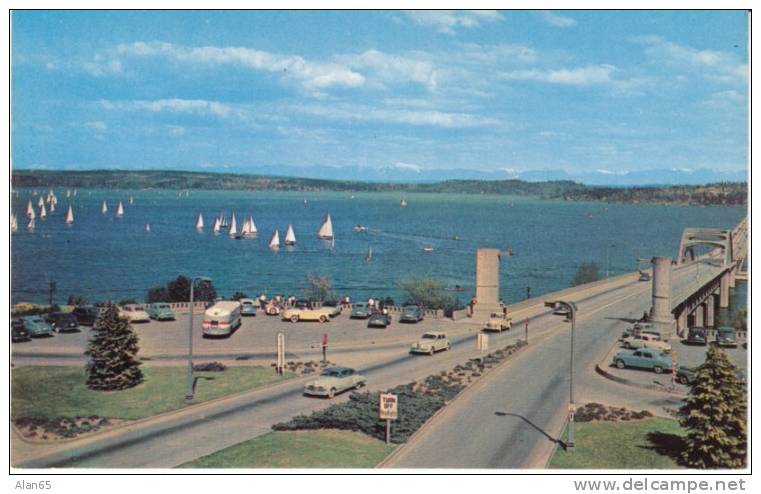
574,90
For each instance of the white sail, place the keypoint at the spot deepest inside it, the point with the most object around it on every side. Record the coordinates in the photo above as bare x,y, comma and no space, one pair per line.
369,254
248,230
74,193
252,225
53,200
199,222
290,237
52,207
43,212
41,202
326,229
104,208
233,227
68,192
275,240
217,224
147,227
30,210
14,223
131,199
30,225
69,216
403,203
120,210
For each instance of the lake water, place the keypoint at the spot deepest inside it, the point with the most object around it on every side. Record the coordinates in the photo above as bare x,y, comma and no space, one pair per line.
102,258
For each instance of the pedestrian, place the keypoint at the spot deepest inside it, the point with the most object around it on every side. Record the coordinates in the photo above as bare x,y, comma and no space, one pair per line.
370,302
262,300
385,310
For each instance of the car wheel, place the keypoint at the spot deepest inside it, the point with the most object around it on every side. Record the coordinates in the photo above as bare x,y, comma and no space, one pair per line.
323,318
332,392
360,384
294,318
431,351
627,345
682,379
620,364
658,369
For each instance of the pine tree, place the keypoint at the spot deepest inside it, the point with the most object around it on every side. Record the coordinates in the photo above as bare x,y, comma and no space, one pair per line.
112,350
715,415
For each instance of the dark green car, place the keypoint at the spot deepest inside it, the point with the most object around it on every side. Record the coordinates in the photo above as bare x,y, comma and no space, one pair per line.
726,336
411,313
160,311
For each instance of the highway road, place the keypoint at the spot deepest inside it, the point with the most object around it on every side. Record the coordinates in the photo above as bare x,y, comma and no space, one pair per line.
514,420
532,388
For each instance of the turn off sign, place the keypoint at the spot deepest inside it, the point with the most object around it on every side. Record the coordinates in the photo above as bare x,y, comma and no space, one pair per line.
388,406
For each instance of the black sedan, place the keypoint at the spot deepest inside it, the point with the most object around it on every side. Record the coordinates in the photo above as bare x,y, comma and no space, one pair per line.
379,321
63,322
18,331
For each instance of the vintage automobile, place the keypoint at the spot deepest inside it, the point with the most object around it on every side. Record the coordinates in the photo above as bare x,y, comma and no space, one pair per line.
644,276
498,322
296,315
726,336
18,331
643,359
685,375
36,326
431,342
134,313
247,307
411,313
160,311
272,309
63,322
360,311
331,308
646,340
86,314
697,335
379,321
334,380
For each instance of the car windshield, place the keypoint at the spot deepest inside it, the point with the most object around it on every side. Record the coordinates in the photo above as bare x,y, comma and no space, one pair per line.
162,306
330,303
411,309
331,373
429,336
359,306
246,302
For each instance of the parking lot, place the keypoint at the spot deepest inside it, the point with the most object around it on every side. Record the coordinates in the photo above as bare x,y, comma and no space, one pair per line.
256,336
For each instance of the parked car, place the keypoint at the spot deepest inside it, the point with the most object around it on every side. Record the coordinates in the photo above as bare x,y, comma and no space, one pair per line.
221,319
498,322
411,313
628,335
643,359
302,303
431,342
36,326
685,375
63,322
360,311
18,331
697,336
272,310
161,311
134,313
379,321
726,336
247,307
331,307
645,340
296,315
644,276
334,380
86,314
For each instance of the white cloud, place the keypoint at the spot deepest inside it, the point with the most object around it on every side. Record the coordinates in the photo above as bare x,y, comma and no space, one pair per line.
175,105
557,20
397,116
718,66
97,126
447,21
581,76
99,67
408,166
394,68
310,75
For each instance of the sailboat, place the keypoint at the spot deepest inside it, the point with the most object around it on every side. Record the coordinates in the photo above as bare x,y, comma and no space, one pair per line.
41,202
223,221
403,203
275,240
68,193
74,193
43,213
120,210
252,226
217,225
104,208
69,216
199,222
30,210
248,229
369,254
290,237
326,229
131,199
30,225
14,223
147,228
52,207
233,227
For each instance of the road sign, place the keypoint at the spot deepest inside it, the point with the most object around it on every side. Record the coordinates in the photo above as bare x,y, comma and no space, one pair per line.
324,339
482,342
388,406
280,365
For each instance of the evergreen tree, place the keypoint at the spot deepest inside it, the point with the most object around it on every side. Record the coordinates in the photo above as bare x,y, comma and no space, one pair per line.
715,415
112,350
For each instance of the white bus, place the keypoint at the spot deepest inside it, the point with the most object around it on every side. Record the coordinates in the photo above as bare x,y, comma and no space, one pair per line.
222,318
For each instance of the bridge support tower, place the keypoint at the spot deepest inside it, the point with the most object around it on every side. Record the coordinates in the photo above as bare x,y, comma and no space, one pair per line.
660,313
487,283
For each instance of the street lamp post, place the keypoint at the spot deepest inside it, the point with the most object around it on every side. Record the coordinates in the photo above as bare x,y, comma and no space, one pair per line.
569,310
189,392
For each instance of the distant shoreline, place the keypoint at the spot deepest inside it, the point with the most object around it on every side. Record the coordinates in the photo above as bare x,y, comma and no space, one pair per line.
716,194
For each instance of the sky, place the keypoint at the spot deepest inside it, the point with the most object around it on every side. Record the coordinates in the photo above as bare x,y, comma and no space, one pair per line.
581,91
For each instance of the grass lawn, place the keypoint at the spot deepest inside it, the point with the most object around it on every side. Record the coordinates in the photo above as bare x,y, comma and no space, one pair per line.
300,449
49,392
644,444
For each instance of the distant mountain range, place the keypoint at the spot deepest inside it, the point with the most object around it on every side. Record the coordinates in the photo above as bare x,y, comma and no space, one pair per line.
409,173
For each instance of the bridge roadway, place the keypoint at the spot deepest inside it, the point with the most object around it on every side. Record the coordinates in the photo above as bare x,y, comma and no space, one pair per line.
535,386
511,422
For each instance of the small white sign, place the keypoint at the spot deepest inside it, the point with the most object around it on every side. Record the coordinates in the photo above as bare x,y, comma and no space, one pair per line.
482,343
388,406
280,350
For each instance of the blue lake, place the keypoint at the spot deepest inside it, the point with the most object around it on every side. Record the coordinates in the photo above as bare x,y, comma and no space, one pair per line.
103,258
